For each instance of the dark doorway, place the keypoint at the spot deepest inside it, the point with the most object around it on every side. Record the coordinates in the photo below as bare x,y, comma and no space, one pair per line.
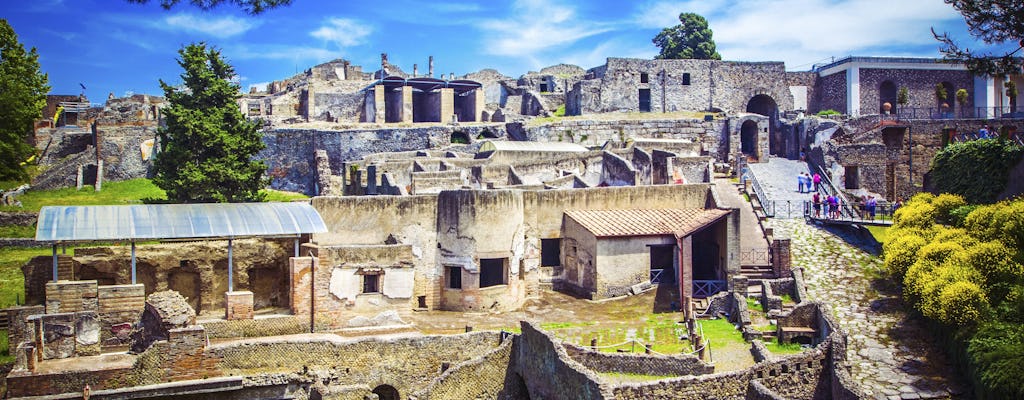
886,94
645,100
765,105
393,107
686,78
89,174
266,287
644,77
188,284
852,177
748,138
492,272
544,87
550,252
460,137
662,264
426,106
386,392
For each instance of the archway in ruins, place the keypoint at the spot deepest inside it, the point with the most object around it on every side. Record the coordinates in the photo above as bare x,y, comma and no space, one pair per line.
386,392
748,138
765,105
887,93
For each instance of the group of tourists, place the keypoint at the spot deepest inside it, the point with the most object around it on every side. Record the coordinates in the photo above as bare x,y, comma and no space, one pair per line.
831,205
807,183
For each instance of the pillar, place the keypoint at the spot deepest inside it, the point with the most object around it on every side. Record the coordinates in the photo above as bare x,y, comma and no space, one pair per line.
300,284
685,247
378,104
238,305
985,96
406,104
478,104
447,104
782,263
853,91
430,67
99,175
371,179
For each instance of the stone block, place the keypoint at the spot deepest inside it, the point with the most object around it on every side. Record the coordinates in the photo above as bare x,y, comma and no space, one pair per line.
58,334
238,305
87,334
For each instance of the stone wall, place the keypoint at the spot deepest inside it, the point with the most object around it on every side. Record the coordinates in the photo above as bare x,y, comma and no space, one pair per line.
479,378
549,371
831,93
920,86
638,364
617,171
18,218
709,136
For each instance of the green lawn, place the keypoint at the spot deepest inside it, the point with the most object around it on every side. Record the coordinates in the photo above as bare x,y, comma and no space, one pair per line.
881,233
17,231
783,348
5,351
132,191
12,283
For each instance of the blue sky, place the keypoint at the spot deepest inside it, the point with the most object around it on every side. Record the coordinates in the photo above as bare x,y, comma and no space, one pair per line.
114,46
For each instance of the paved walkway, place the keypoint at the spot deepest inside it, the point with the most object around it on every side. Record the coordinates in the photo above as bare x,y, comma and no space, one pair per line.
890,354
777,178
751,236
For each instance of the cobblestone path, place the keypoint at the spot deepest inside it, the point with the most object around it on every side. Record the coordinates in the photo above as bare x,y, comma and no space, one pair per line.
892,355
777,178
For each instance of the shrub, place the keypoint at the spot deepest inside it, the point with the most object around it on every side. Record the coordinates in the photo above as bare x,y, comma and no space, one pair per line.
958,216
997,353
901,253
918,215
825,113
944,204
962,303
981,222
977,169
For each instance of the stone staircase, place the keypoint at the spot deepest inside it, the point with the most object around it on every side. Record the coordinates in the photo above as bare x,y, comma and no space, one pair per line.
754,274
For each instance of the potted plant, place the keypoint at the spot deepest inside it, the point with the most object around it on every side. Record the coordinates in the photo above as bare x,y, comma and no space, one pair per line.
961,98
903,97
941,95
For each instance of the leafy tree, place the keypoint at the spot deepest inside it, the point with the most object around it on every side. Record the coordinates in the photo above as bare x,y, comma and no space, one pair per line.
977,170
23,91
1011,92
994,22
961,98
690,39
940,92
207,147
903,97
253,7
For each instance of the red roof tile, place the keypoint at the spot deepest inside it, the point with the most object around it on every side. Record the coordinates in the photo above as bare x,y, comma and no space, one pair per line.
612,223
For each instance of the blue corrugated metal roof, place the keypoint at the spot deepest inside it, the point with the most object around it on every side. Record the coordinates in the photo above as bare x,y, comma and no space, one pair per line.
176,221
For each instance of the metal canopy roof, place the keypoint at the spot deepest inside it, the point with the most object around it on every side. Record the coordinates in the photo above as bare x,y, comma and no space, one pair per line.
177,221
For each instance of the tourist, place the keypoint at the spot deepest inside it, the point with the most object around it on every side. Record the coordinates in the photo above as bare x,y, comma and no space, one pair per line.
817,181
983,132
800,183
816,198
803,154
871,204
897,205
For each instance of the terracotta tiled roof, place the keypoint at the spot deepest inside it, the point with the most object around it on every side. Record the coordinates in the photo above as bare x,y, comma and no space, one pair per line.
611,223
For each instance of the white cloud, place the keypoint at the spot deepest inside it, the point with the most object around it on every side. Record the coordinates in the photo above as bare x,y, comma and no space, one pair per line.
801,32
342,32
280,52
260,86
220,27
535,26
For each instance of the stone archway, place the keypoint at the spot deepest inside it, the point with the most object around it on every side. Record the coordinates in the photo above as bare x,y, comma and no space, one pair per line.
764,104
386,392
749,138
887,93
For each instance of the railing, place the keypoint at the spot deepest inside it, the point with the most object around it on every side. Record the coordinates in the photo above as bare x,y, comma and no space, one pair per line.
761,198
954,113
883,214
656,275
757,256
705,288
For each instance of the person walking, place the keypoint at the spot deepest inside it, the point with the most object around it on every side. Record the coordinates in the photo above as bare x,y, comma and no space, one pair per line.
872,203
816,198
800,183
817,181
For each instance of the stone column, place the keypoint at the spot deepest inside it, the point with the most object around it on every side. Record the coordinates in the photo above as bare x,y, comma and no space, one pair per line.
447,104
378,104
985,95
430,67
853,91
782,264
406,104
300,284
685,248
478,111
371,180
79,181
99,175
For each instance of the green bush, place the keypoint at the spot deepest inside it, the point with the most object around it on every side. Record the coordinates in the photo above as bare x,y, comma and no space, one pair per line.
958,216
942,233
976,170
825,113
918,215
946,203
997,353
901,253
962,303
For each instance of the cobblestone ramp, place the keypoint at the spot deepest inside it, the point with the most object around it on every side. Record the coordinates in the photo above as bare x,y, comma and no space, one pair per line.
777,178
891,354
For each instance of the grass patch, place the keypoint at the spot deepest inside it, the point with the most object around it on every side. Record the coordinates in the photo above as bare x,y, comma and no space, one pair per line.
880,233
5,349
783,348
766,328
133,191
17,231
278,196
720,331
787,299
746,197
754,305
631,377
12,282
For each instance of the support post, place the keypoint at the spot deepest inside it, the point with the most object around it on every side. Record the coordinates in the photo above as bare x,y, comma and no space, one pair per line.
133,262
231,267
55,262
296,247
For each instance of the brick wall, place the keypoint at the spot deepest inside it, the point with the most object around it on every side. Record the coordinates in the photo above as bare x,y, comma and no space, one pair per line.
638,364
119,305
484,377
71,296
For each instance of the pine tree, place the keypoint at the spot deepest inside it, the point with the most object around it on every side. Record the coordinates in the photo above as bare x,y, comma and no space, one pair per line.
253,7
690,39
23,91
207,148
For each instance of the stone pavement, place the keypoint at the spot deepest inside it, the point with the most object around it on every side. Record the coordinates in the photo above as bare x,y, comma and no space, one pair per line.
891,354
777,178
751,235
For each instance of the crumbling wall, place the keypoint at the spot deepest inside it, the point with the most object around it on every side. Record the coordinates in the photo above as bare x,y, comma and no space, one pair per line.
617,171
550,373
486,377
658,365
